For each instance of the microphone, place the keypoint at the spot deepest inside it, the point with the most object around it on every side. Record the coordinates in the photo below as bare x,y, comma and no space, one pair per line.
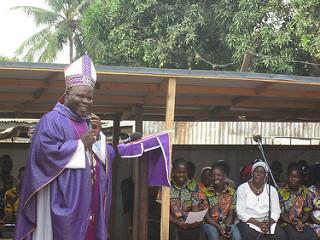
133,137
88,120
257,138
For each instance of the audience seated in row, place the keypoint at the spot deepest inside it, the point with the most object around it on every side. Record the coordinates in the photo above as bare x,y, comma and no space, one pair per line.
243,213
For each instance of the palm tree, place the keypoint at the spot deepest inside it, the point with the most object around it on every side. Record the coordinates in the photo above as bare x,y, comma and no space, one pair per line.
61,27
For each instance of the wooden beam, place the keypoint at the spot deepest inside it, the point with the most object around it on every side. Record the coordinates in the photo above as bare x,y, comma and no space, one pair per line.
277,104
165,195
212,113
143,198
232,91
111,86
115,142
235,101
126,113
264,91
107,87
100,101
262,88
245,62
28,83
138,210
41,91
151,94
178,111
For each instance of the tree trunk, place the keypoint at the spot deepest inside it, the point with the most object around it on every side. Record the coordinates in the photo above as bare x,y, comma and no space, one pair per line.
70,48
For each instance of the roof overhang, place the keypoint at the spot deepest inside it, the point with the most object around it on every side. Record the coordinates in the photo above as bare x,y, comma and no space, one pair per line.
28,90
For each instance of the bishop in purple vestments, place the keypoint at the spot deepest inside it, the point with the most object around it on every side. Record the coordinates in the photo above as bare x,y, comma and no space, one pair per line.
66,191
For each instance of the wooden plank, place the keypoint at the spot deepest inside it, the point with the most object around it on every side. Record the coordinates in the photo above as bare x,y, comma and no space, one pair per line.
277,104
115,142
106,87
165,196
110,86
27,83
233,91
137,212
143,183
143,198
262,88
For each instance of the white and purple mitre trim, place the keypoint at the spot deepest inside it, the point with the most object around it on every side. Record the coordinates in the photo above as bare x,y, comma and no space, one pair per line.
80,72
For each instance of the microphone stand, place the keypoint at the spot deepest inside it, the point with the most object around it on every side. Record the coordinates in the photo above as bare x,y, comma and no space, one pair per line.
270,176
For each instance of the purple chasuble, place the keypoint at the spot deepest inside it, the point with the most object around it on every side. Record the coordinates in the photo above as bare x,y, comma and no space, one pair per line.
53,144
156,149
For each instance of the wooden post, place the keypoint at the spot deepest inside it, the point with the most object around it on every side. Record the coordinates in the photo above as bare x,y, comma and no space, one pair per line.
136,232
115,142
143,198
165,197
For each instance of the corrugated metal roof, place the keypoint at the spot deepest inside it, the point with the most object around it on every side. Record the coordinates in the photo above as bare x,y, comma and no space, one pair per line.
239,132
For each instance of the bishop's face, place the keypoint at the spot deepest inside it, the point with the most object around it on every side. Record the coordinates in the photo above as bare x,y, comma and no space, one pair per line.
79,99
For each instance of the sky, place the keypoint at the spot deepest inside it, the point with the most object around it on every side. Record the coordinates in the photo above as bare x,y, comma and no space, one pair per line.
16,27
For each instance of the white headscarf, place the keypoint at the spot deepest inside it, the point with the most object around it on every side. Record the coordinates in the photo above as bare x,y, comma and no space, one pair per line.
259,164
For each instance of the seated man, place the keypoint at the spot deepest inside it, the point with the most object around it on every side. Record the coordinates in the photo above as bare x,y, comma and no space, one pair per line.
183,199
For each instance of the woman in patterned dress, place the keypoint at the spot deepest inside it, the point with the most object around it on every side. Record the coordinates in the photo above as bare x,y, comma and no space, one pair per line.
221,199
183,199
315,190
295,202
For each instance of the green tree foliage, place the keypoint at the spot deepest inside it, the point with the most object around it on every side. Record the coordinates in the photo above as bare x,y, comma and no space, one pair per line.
281,35
158,33
59,26
8,59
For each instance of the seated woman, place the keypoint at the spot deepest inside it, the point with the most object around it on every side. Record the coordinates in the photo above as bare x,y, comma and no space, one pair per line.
295,200
221,200
12,198
253,207
315,190
183,199
202,187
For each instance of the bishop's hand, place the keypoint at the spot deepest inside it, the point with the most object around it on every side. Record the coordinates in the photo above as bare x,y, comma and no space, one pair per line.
88,138
95,122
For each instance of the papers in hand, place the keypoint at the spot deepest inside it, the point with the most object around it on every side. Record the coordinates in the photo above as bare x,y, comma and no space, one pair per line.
273,227
194,217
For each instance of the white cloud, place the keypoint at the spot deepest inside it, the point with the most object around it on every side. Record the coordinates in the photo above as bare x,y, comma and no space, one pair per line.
16,27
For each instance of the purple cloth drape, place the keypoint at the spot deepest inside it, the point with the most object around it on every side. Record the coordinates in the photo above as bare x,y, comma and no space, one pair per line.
53,144
156,149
